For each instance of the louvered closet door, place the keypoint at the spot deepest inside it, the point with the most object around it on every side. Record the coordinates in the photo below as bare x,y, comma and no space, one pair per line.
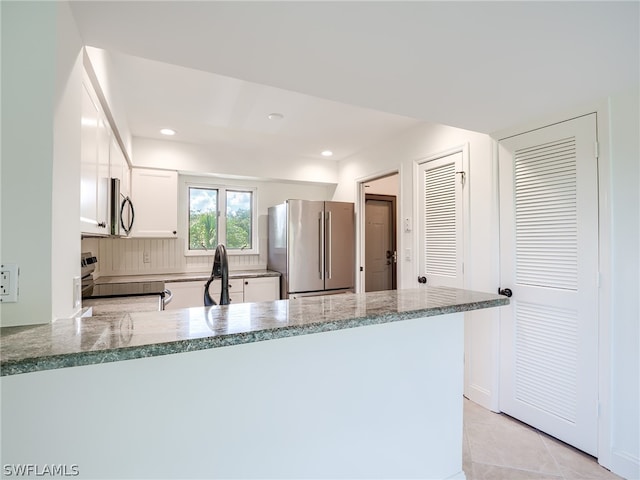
549,259
440,214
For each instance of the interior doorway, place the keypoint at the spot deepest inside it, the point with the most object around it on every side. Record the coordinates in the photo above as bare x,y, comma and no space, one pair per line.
379,230
380,245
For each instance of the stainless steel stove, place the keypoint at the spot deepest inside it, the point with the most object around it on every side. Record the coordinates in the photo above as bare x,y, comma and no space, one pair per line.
90,289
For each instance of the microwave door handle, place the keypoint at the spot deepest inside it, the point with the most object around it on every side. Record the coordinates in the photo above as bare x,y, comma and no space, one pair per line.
122,207
126,228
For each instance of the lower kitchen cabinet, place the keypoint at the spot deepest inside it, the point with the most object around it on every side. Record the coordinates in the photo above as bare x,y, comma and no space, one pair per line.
262,289
191,294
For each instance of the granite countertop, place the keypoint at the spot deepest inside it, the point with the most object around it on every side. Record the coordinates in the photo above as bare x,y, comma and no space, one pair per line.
85,341
183,277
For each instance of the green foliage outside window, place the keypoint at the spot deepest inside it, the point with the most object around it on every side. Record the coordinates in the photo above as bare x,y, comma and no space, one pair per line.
202,231
238,219
203,218
239,230
236,223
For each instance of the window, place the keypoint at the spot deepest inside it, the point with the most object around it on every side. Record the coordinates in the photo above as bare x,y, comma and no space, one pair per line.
220,214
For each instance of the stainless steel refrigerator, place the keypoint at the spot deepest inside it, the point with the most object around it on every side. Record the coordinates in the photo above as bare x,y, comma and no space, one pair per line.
312,245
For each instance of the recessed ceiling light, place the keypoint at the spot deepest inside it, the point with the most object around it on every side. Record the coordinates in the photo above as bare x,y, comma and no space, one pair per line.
167,131
327,153
275,116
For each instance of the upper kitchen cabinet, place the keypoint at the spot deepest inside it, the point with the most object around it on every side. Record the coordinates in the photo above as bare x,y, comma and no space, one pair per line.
119,167
94,170
155,195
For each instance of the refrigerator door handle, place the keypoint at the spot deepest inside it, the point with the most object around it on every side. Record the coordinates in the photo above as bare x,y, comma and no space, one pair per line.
329,242
321,245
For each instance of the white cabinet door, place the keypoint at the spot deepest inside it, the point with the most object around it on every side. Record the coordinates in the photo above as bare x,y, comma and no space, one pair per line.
88,165
94,167
261,289
104,141
155,197
236,294
191,294
185,294
119,167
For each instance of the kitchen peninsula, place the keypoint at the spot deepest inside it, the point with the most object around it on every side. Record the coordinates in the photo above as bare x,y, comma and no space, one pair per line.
342,386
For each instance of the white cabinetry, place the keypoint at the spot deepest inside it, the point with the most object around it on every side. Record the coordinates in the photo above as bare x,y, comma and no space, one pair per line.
261,289
155,196
185,294
94,168
241,290
191,294
119,167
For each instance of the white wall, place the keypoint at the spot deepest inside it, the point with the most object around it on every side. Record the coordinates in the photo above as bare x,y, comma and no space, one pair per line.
481,264
39,127
625,285
65,205
186,157
383,186
124,256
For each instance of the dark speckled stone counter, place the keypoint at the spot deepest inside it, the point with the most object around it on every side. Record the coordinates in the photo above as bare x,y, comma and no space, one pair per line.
85,341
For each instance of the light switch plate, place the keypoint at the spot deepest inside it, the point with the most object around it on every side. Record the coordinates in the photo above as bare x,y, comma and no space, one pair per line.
9,273
77,292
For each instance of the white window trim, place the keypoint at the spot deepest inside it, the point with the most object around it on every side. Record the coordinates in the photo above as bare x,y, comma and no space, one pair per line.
222,224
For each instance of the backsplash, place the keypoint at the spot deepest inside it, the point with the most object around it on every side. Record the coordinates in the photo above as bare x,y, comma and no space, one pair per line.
127,256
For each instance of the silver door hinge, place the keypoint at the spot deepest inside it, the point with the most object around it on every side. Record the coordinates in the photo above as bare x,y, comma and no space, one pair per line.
463,176
597,149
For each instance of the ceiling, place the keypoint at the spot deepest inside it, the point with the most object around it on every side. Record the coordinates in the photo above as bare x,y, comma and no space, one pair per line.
347,74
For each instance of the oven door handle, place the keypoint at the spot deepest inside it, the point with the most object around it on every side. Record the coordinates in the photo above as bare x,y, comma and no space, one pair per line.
165,298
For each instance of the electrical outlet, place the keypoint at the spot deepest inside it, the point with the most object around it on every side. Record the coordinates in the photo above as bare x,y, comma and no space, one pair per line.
146,257
9,273
5,279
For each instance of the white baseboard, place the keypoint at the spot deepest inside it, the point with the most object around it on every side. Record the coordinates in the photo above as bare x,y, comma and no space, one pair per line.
625,464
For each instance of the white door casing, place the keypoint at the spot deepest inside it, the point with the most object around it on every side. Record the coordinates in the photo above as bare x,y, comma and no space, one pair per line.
440,219
549,259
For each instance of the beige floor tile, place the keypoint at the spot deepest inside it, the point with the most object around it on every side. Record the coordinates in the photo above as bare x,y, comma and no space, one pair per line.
510,444
497,447
574,464
474,413
466,457
493,472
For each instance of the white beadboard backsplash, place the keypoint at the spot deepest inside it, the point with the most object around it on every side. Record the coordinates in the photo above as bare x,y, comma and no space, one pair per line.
125,256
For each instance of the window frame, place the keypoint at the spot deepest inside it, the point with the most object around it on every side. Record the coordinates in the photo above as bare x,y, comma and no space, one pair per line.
221,216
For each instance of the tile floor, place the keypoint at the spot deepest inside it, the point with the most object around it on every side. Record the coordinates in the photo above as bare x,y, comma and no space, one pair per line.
498,447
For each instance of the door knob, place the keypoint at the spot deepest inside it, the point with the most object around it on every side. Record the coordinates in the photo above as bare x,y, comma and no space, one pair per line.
422,279
505,291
